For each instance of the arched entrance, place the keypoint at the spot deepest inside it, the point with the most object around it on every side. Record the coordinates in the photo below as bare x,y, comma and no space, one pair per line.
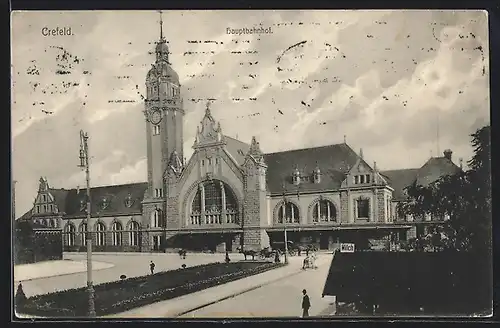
213,215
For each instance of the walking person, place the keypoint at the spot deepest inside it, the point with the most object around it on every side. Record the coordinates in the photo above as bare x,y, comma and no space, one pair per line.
152,267
306,304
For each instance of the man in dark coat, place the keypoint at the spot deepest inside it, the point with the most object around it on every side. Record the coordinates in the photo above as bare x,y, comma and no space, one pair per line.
152,267
306,304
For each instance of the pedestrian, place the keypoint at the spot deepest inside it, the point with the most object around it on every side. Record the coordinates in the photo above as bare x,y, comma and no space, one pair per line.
306,304
152,267
227,257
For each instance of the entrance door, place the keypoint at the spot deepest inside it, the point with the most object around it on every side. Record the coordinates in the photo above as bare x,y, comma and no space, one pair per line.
323,241
156,243
229,243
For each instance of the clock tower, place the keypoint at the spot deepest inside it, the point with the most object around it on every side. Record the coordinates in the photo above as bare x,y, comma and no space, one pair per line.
164,123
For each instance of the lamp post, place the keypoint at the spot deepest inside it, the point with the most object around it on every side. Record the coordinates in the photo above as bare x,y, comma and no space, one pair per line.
84,164
284,225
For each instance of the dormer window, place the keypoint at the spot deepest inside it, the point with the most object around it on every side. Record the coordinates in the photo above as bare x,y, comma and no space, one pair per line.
317,175
296,176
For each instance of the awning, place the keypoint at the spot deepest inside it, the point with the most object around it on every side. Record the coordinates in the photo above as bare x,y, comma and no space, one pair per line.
208,231
339,227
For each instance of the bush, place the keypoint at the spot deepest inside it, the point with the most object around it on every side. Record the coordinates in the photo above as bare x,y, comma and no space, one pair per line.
120,296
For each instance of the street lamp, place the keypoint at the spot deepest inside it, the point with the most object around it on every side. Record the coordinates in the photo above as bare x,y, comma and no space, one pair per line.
84,164
284,225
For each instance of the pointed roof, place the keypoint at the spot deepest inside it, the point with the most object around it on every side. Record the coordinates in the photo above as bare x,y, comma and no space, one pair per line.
175,163
209,132
255,151
432,170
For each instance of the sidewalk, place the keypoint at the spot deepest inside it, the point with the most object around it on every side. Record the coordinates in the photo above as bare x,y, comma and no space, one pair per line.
179,306
26,272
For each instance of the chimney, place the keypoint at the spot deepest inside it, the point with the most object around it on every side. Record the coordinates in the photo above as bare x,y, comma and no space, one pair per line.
447,153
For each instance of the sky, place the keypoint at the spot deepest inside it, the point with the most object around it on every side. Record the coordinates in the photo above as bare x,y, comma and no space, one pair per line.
401,85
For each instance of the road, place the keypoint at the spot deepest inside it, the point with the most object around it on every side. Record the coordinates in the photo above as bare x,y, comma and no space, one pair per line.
131,265
278,299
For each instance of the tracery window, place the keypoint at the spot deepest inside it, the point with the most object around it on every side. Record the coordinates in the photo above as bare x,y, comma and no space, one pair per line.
83,233
116,234
100,234
324,211
214,203
134,234
288,212
70,234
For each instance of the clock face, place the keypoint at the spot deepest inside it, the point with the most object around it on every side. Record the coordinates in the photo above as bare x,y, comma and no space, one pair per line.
155,116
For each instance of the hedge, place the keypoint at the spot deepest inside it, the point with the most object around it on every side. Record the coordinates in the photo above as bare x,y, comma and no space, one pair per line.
122,295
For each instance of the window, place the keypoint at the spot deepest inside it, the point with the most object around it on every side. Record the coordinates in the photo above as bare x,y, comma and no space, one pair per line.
134,234
54,223
116,234
324,211
100,234
363,208
202,162
356,179
367,178
158,192
37,209
49,208
83,230
156,130
362,179
288,211
70,234
44,209
217,160
214,203
44,198
155,219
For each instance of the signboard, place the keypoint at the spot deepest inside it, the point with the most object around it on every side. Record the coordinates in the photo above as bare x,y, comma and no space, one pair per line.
347,248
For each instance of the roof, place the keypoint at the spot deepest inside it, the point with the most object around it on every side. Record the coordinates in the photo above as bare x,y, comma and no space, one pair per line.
116,197
399,180
70,201
237,149
333,161
431,171
435,168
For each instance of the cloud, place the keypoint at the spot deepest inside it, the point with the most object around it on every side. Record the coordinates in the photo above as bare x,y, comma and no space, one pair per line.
378,77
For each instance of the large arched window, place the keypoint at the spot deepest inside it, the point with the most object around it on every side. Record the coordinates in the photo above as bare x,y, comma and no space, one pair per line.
100,234
70,234
214,203
324,211
288,212
116,234
83,233
134,233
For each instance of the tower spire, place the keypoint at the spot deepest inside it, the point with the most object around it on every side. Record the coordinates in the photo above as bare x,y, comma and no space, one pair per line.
161,26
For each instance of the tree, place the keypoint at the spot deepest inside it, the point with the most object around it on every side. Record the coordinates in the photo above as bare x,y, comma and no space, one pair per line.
465,197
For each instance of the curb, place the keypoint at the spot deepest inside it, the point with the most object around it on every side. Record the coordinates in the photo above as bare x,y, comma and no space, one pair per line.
64,274
236,294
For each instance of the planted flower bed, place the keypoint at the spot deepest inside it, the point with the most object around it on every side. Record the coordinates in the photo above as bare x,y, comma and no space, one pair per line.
123,295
